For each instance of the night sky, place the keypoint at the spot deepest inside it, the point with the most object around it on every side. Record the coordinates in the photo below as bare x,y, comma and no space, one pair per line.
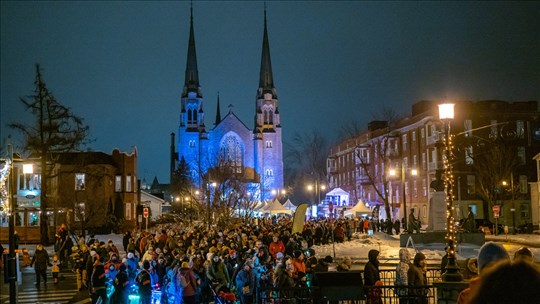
120,65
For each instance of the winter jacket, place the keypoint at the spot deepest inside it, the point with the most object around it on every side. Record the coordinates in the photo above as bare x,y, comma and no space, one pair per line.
371,269
276,247
218,272
191,288
40,260
402,269
245,279
98,276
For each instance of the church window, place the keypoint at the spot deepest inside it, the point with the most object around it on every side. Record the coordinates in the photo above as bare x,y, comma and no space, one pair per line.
231,154
269,144
192,144
268,114
269,172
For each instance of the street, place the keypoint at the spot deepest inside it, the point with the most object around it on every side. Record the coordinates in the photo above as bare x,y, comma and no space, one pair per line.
63,292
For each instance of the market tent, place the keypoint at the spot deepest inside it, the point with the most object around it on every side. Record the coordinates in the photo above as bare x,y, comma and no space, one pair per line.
289,205
358,210
275,207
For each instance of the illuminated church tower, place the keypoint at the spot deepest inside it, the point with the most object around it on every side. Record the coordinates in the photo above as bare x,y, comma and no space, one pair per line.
257,153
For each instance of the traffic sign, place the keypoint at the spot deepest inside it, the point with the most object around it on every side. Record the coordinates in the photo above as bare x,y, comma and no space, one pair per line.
496,209
145,212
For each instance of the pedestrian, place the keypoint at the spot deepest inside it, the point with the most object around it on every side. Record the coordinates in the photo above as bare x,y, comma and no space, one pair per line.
505,282
416,277
189,295
55,269
98,279
402,269
17,240
490,253
245,284
523,254
40,261
121,283
372,277
345,265
144,283
397,226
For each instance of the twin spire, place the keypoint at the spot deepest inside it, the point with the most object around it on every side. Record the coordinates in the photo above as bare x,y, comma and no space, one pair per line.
191,84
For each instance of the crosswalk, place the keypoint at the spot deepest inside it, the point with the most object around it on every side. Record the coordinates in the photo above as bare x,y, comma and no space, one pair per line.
64,292
45,296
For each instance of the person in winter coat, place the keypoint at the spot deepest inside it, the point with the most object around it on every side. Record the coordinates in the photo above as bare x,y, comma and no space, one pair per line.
132,266
145,285
245,283
121,283
416,277
40,261
345,265
276,246
402,270
189,292
217,272
99,288
372,277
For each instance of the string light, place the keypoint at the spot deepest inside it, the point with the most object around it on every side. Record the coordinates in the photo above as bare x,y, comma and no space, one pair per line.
4,176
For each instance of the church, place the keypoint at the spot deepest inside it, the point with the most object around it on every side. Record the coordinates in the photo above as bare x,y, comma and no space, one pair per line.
254,155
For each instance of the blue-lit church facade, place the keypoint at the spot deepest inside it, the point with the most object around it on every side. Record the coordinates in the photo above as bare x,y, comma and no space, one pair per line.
255,154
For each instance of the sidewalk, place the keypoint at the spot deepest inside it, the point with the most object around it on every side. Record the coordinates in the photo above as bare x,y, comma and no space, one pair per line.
529,240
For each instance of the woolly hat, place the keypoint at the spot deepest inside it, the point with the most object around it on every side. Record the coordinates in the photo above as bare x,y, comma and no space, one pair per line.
130,255
297,254
279,255
418,257
185,265
490,253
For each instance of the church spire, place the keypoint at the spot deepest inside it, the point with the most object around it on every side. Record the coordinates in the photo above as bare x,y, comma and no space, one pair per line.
266,80
218,112
191,83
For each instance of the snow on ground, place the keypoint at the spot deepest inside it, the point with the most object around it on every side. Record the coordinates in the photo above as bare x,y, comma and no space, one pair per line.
388,246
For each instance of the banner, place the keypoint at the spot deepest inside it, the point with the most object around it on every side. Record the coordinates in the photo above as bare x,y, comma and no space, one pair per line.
299,218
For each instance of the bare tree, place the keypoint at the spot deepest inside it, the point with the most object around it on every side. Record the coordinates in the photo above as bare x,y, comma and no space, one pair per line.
56,129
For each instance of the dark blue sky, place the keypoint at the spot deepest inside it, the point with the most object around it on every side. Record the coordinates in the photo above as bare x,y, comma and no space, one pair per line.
121,65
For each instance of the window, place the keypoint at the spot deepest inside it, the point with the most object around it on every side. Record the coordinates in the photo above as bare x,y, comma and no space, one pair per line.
192,144
521,155
520,129
269,144
405,163
128,211
468,127
424,211
413,134
469,160
269,172
406,188
473,210
118,183
422,133
424,187
424,162
524,209
415,189
231,153
128,183
79,181
415,161
471,184
523,185
404,142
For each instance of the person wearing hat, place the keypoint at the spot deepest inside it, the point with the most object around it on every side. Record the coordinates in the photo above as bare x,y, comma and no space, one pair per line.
120,284
416,278
299,271
99,289
490,253
524,254
372,277
402,270
144,282
190,290
40,261
245,283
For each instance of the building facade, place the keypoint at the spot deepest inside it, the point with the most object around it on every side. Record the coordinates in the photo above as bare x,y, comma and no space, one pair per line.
254,154
400,160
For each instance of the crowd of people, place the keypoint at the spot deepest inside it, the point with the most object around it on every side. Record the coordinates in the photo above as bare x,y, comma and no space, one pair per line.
244,262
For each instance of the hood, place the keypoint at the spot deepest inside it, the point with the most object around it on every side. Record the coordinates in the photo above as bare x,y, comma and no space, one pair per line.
372,255
418,257
404,256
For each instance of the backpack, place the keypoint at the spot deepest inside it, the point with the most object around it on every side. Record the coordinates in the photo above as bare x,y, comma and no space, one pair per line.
183,281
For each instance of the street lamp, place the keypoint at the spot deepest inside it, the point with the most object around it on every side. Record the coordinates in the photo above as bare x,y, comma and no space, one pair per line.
512,209
452,274
393,173
317,189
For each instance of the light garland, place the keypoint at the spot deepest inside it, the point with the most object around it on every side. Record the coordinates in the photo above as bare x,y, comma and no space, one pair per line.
4,176
449,182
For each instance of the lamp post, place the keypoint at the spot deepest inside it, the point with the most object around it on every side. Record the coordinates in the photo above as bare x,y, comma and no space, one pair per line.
413,172
317,189
12,266
452,274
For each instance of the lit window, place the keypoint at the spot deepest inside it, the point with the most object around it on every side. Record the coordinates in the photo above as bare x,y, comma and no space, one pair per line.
520,129
469,160
79,181
524,208
413,134
128,211
523,185
404,142
471,184
128,183
269,144
424,211
118,183
192,144
424,187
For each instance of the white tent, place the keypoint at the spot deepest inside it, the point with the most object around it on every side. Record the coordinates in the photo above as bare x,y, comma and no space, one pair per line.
338,196
289,205
358,210
275,207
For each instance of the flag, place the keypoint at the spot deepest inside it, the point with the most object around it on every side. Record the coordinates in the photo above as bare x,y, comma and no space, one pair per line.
299,218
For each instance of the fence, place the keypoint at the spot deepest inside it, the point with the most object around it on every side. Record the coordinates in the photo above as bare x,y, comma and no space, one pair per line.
357,293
